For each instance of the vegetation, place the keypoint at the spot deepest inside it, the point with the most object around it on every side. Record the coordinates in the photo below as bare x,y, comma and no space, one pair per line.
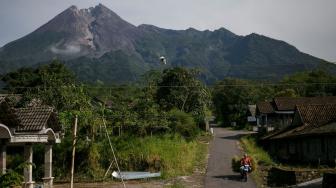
152,128
235,163
11,178
313,83
255,151
259,157
156,122
231,96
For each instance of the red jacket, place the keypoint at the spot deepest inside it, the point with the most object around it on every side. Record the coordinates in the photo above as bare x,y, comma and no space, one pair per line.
246,161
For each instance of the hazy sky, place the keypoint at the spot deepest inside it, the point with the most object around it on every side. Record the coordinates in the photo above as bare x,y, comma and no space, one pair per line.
310,25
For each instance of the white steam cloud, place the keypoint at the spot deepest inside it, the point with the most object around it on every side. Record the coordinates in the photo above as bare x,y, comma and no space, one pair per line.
67,50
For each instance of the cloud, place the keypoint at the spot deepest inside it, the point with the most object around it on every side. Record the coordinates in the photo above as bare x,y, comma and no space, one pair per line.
67,50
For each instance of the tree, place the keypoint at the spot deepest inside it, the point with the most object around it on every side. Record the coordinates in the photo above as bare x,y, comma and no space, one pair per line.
312,83
286,93
180,89
230,98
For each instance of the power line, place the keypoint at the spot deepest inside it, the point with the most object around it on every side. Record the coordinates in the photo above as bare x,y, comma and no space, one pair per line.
179,86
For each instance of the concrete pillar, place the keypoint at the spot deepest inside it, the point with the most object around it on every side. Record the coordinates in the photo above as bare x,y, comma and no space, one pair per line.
28,170
48,179
3,158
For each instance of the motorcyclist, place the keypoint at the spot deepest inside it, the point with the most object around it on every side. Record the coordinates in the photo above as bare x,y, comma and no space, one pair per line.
246,164
246,160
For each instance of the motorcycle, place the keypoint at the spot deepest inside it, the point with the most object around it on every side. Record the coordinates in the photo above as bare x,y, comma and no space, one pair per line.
244,170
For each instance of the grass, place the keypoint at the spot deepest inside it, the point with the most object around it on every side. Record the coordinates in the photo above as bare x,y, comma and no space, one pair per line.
172,155
255,151
260,156
264,162
176,156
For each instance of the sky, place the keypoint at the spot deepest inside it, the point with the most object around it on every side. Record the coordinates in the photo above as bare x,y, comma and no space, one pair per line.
309,25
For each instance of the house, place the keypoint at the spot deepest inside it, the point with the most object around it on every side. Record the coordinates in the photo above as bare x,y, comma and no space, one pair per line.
25,127
311,137
265,116
278,113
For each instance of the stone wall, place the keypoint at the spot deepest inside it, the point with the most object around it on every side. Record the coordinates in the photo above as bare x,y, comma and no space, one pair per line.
285,177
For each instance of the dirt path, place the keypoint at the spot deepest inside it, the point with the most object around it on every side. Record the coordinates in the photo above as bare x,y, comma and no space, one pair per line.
219,172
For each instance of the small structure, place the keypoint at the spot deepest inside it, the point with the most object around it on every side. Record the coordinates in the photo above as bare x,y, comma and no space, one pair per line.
311,137
251,114
251,117
25,127
265,116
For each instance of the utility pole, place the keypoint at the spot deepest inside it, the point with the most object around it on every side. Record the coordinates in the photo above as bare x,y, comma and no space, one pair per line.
73,151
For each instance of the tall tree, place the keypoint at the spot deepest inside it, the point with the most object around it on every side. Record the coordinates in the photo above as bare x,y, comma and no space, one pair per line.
313,83
180,89
231,97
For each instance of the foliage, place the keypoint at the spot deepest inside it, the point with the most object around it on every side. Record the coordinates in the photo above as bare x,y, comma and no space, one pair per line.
143,130
183,123
113,67
235,163
259,157
177,156
286,93
255,151
11,178
180,89
317,82
230,98
43,77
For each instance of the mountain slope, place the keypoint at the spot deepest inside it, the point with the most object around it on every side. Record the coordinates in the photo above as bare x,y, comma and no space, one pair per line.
99,45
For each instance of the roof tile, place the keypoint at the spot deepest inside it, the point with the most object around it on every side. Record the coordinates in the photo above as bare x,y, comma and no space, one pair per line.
33,119
289,103
315,119
265,107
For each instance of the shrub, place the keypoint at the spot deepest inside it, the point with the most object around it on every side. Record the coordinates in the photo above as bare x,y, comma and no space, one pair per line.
258,155
11,178
170,154
235,164
183,124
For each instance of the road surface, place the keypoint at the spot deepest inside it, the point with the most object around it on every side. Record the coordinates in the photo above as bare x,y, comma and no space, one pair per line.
222,148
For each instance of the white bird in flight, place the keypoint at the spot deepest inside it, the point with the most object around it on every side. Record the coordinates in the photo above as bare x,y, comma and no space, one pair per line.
163,60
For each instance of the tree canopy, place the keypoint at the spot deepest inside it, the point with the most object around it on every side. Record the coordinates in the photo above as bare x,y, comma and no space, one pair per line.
180,89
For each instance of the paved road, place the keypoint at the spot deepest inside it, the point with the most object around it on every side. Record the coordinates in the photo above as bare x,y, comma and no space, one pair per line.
222,149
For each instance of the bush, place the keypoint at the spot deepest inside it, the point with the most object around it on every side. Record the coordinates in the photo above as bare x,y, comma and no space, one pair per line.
170,154
235,164
183,124
258,155
11,178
